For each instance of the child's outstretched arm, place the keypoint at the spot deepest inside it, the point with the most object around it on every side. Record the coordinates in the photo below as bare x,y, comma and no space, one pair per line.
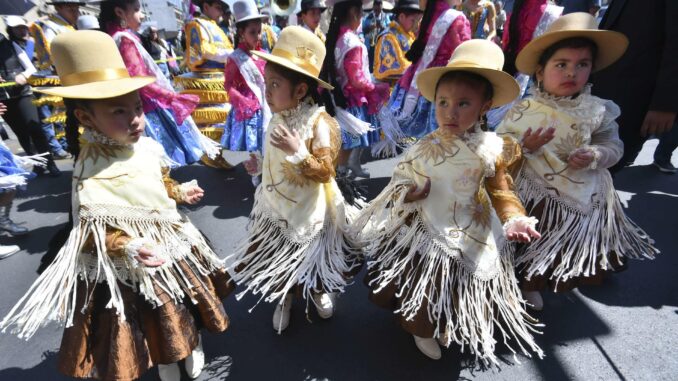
186,193
517,225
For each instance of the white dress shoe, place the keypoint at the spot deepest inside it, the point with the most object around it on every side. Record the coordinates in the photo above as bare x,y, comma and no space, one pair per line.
196,361
428,346
324,304
8,250
281,316
169,372
534,299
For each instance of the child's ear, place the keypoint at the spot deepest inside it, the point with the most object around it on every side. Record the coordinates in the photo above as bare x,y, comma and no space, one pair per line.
300,91
539,73
486,107
84,117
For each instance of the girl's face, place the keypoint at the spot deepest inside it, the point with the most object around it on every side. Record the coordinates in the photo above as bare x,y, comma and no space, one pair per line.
409,22
459,105
132,15
566,72
251,34
280,94
311,18
355,18
120,118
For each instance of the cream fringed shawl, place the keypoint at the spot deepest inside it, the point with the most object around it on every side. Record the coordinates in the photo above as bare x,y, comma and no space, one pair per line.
118,187
298,226
445,254
582,221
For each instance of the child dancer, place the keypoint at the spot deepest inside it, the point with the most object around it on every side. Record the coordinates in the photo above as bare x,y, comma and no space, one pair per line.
245,83
135,279
168,114
392,45
570,138
297,236
357,98
442,30
438,257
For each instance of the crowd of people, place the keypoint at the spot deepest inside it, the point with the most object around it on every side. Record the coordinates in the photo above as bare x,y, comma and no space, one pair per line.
502,190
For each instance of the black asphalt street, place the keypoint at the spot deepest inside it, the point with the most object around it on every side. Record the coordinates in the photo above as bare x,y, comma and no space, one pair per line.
626,329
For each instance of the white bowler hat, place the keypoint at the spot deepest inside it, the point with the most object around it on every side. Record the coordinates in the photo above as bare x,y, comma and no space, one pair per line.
245,10
87,22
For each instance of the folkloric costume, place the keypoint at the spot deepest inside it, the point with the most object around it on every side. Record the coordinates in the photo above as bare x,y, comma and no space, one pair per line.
298,238
268,37
442,263
168,114
207,49
447,30
585,230
389,53
246,90
308,5
121,317
535,17
478,19
376,25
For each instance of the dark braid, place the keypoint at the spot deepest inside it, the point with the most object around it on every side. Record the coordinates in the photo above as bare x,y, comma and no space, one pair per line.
72,125
418,46
328,73
511,51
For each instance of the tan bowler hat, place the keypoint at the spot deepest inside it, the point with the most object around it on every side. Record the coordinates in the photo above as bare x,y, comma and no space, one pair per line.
300,50
611,44
90,67
480,57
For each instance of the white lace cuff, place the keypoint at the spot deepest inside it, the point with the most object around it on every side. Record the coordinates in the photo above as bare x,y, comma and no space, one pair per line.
531,221
594,151
184,188
132,250
299,156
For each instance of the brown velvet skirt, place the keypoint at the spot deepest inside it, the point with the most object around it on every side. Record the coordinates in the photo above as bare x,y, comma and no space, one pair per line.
103,346
545,281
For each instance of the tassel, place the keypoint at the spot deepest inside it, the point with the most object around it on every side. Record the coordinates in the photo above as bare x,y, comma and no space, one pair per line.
392,135
351,124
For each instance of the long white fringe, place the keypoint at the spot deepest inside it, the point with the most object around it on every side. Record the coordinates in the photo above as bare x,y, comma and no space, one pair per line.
280,262
393,135
464,307
351,124
52,297
583,236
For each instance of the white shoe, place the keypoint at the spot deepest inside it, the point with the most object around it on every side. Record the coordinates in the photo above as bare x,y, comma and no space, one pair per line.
324,304
169,372
534,299
281,316
196,361
8,250
428,346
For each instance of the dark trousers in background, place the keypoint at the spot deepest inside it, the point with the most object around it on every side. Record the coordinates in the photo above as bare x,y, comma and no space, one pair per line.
22,118
667,144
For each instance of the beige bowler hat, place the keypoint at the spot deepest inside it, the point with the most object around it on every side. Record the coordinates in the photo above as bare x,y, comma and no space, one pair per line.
90,67
480,57
300,50
611,44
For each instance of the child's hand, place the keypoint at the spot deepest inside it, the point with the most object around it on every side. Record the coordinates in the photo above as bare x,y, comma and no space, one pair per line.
251,165
285,140
3,108
521,230
580,159
148,258
532,141
193,195
415,194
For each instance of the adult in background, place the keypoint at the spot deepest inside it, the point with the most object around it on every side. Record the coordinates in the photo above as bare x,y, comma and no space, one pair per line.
21,114
644,81
374,24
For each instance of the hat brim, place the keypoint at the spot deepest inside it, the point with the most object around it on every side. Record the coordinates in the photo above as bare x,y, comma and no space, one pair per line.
249,18
505,88
407,8
289,65
611,46
98,90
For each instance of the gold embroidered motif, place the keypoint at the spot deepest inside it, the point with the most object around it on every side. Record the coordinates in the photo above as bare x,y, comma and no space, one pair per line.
292,174
567,145
437,147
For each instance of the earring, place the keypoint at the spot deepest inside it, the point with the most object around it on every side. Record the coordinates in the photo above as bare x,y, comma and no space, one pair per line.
123,23
540,85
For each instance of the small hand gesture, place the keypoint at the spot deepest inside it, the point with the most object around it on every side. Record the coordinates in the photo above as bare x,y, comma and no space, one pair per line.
415,194
532,141
193,195
251,165
3,108
580,158
522,231
148,258
285,140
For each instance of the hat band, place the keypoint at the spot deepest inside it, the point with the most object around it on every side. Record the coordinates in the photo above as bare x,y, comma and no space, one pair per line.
297,61
100,75
469,64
